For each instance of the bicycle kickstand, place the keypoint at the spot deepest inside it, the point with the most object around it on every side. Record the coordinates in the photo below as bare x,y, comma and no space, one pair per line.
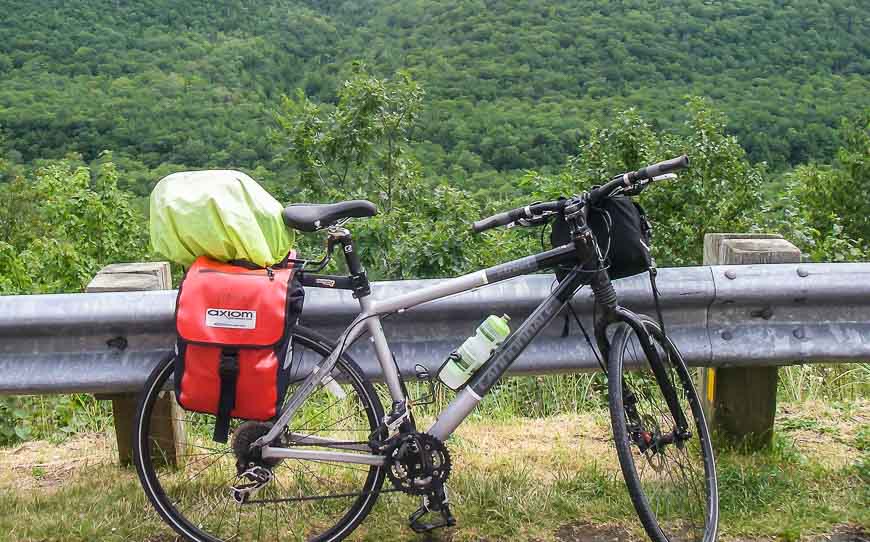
437,501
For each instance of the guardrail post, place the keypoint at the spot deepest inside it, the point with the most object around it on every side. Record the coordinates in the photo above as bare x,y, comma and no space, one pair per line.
129,277
740,402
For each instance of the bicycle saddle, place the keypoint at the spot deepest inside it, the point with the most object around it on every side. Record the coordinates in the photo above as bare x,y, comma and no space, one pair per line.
314,216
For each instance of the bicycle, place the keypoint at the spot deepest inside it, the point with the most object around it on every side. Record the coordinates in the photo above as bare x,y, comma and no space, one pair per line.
332,430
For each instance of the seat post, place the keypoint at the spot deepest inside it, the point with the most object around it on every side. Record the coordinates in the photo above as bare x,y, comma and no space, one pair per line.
361,287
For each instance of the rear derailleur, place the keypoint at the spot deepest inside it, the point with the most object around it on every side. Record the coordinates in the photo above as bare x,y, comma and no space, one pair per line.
253,471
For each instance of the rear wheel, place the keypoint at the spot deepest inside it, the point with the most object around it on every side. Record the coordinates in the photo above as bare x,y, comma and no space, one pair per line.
304,500
671,476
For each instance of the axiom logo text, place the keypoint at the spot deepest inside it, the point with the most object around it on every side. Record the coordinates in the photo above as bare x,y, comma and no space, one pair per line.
232,318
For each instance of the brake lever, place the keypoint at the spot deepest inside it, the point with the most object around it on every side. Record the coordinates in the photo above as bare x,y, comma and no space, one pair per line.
640,186
536,220
635,189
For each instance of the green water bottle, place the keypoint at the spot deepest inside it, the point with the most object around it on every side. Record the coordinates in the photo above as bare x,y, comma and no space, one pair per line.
474,352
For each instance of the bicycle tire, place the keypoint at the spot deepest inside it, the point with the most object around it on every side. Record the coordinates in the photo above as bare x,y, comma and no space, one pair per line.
654,502
154,475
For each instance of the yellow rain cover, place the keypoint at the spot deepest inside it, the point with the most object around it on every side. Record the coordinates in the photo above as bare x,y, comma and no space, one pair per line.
222,214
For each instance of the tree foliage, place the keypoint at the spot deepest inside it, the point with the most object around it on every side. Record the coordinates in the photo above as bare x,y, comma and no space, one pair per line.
63,221
361,148
828,206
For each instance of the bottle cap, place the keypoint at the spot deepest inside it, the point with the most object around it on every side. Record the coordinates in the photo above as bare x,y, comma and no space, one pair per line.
497,327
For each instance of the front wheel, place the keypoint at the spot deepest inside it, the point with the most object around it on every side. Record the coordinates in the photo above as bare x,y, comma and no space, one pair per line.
669,471
189,478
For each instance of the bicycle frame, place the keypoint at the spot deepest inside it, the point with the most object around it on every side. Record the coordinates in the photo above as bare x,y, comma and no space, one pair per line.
483,380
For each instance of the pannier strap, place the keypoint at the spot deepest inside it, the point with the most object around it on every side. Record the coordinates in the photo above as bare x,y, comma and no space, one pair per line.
245,263
229,374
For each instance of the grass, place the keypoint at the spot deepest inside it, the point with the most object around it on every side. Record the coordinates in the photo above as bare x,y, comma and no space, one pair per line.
534,462
783,493
833,382
546,479
51,417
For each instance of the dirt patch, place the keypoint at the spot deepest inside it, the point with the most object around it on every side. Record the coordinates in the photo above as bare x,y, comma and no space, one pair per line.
588,532
845,533
46,466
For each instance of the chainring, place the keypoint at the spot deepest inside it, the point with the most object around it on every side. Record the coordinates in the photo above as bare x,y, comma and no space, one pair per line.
417,463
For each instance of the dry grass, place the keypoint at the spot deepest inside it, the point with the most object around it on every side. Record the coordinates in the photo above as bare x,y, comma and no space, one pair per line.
542,479
46,466
826,431
546,446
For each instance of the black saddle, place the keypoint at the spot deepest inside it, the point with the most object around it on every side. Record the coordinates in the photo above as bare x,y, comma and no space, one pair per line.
315,216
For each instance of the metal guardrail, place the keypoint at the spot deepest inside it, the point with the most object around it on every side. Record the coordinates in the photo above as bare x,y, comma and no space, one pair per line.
747,315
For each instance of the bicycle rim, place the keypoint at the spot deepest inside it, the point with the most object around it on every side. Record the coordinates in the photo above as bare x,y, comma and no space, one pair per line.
671,481
305,500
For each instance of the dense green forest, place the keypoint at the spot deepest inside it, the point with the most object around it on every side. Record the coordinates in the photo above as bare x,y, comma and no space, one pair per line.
510,85
440,112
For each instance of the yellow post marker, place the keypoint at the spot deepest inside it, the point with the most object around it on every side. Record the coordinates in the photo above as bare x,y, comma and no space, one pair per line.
711,384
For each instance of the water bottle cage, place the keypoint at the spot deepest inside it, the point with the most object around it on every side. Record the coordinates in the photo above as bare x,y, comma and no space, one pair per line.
456,358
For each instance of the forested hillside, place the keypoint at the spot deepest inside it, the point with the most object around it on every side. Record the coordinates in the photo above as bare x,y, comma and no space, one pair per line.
510,85
439,112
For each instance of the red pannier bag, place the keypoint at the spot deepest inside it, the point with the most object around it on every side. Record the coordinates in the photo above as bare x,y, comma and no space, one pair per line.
233,325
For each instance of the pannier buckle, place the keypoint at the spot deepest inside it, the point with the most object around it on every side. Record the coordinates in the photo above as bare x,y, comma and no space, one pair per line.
229,364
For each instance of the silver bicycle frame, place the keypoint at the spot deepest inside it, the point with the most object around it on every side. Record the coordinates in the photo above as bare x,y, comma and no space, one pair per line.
467,399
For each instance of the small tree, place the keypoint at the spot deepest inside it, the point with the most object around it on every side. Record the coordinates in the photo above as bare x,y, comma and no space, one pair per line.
360,144
360,148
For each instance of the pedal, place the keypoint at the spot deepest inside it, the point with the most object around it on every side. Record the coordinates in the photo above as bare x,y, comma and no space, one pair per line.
398,415
442,508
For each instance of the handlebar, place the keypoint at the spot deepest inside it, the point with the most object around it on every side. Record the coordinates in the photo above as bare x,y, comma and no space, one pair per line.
625,180
663,167
529,211
501,219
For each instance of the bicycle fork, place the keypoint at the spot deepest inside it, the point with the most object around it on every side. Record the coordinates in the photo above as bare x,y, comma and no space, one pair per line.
605,297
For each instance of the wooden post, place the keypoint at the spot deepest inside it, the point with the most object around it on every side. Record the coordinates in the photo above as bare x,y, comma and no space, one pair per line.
740,402
129,277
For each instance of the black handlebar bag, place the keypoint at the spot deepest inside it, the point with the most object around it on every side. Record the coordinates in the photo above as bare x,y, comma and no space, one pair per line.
233,325
623,234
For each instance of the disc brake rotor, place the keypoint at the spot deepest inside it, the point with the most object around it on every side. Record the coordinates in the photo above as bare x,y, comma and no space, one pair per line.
650,433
